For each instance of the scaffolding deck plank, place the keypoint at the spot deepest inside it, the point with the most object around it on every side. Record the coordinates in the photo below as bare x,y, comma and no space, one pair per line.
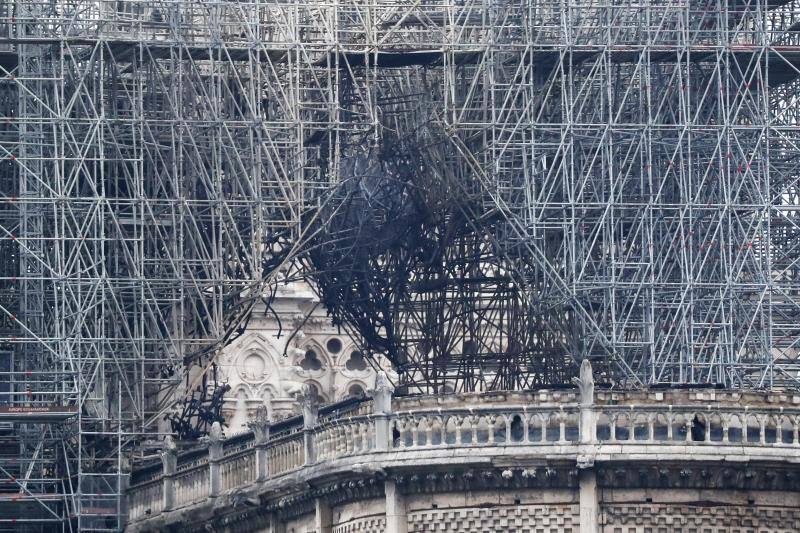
37,414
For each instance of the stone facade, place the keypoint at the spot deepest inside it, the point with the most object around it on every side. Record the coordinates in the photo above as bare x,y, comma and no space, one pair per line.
536,462
282,348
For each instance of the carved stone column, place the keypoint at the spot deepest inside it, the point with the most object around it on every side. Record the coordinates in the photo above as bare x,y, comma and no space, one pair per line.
589,502
587,479
382,407
215,440
323,520
169,463
308,403
260,426
396,517
276,525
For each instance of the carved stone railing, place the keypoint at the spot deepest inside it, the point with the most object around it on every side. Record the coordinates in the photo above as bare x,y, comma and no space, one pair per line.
488,426
146,500
615,425
697,425
344,437
285,454
191,485
238,470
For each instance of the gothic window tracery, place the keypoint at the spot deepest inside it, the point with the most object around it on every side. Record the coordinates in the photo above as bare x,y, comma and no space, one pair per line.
311,361
356,362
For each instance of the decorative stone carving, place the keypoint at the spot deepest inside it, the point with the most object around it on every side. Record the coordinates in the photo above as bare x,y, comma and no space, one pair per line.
260,425
585,383
308,404
253,367
214,440
169,455
382,394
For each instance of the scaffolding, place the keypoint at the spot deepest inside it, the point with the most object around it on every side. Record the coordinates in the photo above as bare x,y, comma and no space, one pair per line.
486,191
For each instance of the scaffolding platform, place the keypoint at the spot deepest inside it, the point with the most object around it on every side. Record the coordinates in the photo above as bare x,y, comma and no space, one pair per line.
36,414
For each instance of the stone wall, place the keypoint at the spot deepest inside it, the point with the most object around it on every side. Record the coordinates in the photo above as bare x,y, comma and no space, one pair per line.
363,516
301,524
544,461
700,511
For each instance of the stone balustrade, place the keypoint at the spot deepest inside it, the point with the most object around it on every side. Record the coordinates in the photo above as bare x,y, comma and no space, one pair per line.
285,454
548,423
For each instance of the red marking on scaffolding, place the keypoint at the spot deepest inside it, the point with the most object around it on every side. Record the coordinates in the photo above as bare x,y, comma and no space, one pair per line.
13,157
730,155
13,317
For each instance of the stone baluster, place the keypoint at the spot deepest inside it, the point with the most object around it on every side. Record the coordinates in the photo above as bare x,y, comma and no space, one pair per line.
525,428
726,425
473,428
350,438
308,402
362,437
506,419
215,441
260,426
429,430
382,409
670,423
169,463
